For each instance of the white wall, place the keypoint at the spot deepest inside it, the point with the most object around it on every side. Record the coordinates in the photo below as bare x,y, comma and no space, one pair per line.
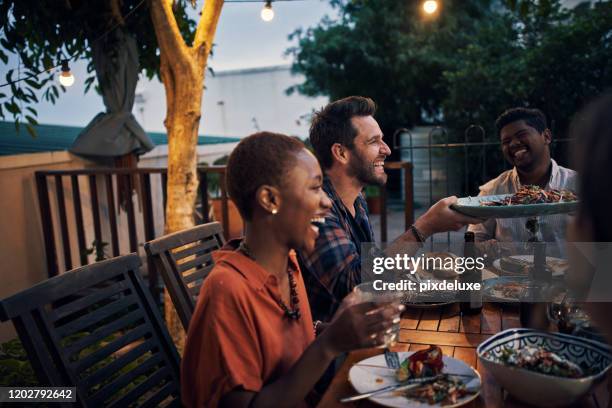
22,250
233,98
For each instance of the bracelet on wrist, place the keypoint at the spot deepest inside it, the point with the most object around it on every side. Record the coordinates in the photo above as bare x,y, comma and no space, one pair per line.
418,235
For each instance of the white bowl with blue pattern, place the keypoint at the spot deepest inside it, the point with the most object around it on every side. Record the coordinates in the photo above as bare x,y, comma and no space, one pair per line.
542,389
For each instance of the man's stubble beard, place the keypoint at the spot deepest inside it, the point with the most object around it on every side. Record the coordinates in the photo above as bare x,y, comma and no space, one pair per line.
363,172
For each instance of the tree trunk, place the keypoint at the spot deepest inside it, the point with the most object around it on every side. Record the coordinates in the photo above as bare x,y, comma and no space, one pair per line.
182,70
182,122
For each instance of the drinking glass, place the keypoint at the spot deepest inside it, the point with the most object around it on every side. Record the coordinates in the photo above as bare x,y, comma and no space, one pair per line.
365,292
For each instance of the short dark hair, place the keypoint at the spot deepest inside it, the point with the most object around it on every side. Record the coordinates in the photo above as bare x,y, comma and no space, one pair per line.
533,117
592,133
332,124
261,158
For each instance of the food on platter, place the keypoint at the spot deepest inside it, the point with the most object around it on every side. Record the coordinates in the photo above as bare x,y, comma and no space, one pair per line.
533,195
510,290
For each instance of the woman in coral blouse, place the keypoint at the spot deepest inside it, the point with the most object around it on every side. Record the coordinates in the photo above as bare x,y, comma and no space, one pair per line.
251,341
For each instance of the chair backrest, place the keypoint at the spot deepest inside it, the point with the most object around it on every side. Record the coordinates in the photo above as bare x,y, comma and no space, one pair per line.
97,328
184,259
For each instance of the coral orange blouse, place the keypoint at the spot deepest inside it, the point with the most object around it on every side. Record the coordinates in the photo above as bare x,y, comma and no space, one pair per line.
239,336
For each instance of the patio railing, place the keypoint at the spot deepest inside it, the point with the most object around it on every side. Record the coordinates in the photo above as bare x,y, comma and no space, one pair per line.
122,208
76,205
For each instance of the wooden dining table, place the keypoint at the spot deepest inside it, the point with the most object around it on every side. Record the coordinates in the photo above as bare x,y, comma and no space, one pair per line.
458,336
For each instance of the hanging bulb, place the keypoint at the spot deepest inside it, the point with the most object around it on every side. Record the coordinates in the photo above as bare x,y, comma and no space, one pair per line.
430,6
267,14
66,78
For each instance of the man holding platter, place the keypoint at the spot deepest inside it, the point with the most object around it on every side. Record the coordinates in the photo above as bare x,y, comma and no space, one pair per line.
525,142
349,144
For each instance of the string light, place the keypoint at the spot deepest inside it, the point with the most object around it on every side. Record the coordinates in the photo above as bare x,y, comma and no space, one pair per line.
70,81
65,77
430,6
267,14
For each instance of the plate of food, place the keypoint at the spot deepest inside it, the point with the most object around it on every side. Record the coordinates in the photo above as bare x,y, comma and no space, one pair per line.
424,304
527,202
505,289
438,265
545,369
521,265
433,272
425,378
428,300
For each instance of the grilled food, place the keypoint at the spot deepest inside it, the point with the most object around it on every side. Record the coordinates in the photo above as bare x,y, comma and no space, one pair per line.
445,389
534,195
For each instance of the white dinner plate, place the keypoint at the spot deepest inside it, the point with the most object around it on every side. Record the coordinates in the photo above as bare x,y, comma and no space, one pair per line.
371,374
557,265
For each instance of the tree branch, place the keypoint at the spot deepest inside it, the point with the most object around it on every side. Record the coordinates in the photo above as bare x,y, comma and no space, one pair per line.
115,6
169,37
205,33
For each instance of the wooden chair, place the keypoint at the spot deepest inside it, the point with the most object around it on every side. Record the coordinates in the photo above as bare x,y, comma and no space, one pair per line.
184,259
96,328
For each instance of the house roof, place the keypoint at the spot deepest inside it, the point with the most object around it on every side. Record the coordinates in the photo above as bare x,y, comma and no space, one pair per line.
253,70
58,137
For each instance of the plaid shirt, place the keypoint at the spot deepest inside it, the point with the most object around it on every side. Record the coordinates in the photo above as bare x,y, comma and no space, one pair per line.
334,268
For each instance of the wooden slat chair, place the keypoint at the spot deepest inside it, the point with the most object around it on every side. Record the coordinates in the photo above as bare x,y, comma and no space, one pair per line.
97,328
184,259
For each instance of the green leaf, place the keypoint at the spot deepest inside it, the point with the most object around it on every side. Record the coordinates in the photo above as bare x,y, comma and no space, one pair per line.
31,130
32,96
31,120
17,125
14,349
12,107
46,62
32,110
34,84
3,57
11,364
88,83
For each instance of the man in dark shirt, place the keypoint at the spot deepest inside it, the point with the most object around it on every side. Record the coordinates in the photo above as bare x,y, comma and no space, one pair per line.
349,145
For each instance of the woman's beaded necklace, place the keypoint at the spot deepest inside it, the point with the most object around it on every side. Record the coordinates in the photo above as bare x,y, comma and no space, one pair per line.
294,312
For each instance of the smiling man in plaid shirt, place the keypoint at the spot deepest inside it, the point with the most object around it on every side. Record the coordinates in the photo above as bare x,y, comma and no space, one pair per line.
349,145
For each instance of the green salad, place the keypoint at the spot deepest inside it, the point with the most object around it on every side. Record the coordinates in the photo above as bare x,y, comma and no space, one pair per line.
542,361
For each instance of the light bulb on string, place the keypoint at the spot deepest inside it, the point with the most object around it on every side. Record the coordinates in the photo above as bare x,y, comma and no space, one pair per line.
430,6
66,78
267,14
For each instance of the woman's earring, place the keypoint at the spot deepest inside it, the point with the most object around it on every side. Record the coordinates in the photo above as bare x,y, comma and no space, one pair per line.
274,211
